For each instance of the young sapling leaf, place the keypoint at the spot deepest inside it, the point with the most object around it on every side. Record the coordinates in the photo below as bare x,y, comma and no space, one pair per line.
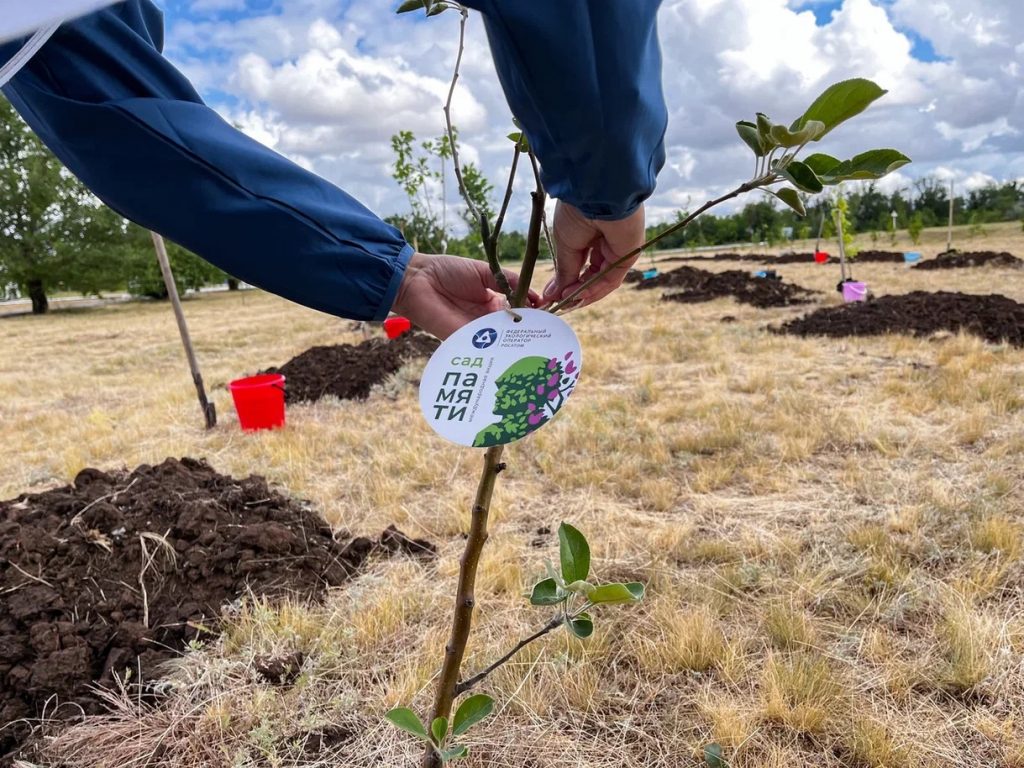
713,756
791,197
612,594
784,137
764,131
411,5
838,103
548,592
801,176
866,166
574,553
470,712
584,588
454,753
821,163
406,720
748,132
582,626
439,730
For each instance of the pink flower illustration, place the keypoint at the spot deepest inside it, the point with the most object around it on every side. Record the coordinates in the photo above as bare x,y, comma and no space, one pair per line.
535,419
571,367
531,407
540,389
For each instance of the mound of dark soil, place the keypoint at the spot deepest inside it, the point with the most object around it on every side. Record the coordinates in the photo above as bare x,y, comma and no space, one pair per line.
699,285
350,372
119,571
994,318
956,260
884,257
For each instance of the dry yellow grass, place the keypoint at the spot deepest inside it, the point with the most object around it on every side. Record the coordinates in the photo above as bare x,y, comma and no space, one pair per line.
830,531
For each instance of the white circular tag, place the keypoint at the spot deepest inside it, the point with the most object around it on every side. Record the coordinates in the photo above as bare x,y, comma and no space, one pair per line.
496,380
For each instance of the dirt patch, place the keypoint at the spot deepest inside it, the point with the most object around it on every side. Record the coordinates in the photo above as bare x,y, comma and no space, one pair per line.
350,371
795,258
698,285
994,318
957,260
121,570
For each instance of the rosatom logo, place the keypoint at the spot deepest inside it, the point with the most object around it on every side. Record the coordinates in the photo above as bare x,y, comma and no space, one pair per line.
485,338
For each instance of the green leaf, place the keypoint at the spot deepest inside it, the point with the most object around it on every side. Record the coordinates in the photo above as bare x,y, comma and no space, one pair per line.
791,197
515,137
437,9
873,164
439,729
454,753
764,131
610,594
574,553
584,588
411,5
838,103
470,712
519,137
713,756
784,137
548,592
582,626
803,177
820,163
405,719
748,132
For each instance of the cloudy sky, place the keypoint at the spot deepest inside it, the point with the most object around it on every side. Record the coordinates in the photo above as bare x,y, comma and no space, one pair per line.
327,82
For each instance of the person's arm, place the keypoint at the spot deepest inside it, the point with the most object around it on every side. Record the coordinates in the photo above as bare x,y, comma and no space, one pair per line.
127,123
584,78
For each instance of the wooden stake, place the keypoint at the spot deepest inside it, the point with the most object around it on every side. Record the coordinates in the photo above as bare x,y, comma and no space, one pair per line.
949,235
208,408
842,246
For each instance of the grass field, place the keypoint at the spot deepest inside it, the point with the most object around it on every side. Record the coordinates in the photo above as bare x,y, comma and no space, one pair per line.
830,530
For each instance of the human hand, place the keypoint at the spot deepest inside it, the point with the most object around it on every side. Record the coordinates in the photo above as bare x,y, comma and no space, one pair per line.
442,293
585,247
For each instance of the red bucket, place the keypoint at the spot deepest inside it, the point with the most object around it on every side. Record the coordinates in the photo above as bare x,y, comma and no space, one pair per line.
259,401
397,326
820,257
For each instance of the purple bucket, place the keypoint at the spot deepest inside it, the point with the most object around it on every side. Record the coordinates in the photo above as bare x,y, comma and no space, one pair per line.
855,292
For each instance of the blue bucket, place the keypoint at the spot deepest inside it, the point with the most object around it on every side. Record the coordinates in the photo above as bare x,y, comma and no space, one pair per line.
650,274
911,256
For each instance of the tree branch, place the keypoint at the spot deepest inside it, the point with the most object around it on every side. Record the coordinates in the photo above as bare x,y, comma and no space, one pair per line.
490,248
475,680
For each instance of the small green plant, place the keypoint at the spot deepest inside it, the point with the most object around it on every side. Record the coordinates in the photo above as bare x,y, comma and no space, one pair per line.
470,712
569,590
914,228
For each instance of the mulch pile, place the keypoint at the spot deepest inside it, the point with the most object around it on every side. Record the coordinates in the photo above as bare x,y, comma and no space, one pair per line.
956,260
119,571
699,285
994,318
349,372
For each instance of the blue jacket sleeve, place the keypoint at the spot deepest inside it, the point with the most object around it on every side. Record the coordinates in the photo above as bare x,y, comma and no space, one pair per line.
584,79
133,129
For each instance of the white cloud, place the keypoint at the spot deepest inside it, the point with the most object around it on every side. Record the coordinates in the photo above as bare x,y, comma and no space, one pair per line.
328,83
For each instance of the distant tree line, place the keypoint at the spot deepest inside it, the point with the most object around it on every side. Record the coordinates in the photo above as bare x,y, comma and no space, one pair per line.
924,204
55,236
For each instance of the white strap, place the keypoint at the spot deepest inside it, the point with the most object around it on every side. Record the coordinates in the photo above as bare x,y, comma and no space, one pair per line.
28,50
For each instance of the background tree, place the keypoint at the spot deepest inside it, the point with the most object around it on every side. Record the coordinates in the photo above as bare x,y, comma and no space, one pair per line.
56,236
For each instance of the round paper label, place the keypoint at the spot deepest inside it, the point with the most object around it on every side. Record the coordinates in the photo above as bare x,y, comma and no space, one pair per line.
496,380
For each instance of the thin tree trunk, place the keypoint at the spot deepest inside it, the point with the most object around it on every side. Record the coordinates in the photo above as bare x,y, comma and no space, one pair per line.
36,292
232,284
